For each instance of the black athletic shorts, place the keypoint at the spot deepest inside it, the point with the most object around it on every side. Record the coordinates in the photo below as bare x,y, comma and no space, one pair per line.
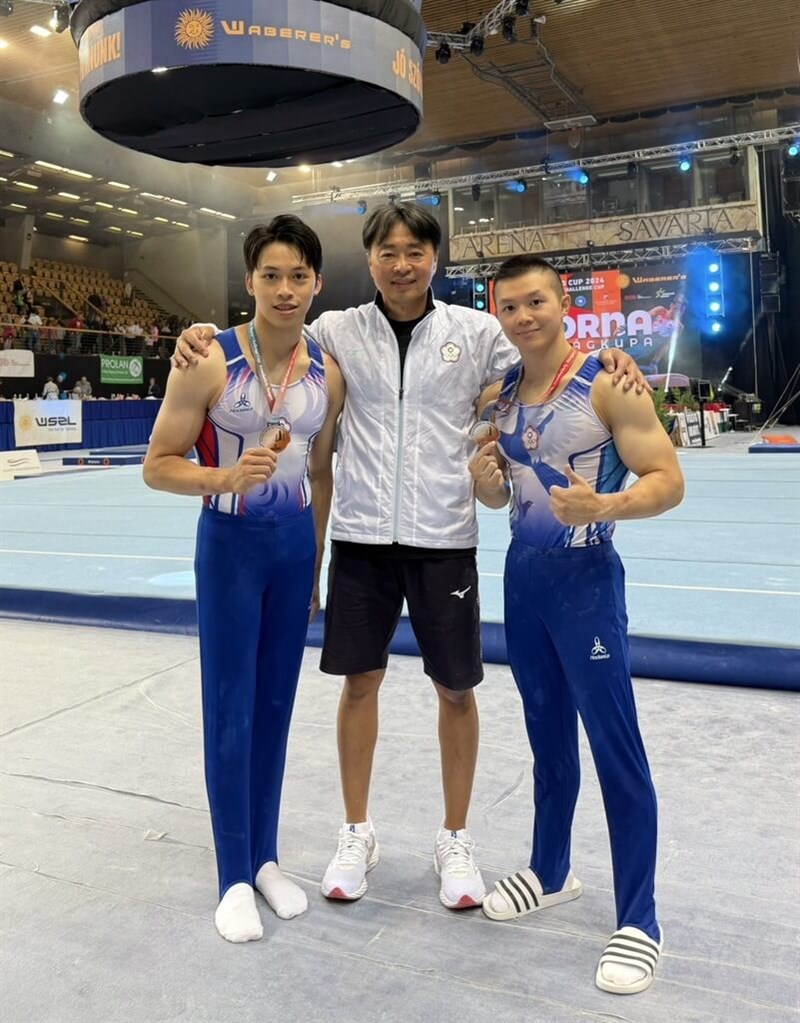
366,587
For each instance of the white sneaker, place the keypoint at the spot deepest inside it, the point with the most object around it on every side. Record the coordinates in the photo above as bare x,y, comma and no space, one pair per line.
346,876
462,885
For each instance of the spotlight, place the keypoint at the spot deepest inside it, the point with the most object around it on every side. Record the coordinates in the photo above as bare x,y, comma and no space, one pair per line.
476,193
715,306
6,8
520,185
480,287
476,46
685,164
60,17
509,28
521,8
583,178
435,199
794,149
714,286
716,327
632,170
361,206
713,268
736,156
443,53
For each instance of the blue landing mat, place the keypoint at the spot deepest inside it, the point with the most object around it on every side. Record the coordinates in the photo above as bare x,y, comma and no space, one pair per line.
734,664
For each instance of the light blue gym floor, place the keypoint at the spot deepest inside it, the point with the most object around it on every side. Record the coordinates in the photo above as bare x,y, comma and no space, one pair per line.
723,566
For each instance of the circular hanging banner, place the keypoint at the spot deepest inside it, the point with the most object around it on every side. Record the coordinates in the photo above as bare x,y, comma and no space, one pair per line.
251,82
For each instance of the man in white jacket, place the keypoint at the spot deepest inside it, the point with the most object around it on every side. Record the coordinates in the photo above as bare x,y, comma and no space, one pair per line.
404,526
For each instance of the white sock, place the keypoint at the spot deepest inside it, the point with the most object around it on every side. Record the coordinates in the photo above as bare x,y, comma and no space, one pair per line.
236,917
284,897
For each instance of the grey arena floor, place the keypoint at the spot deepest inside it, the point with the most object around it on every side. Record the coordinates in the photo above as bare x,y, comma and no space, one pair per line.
108,878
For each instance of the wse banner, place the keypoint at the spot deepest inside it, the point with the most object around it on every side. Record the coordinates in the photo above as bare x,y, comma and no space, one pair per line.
121,369
47,422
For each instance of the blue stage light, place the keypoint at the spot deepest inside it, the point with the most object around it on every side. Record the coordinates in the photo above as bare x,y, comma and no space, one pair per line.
716,327
794,149
361,207
713,268
583,178
715,306
480,287
714,286
685,164
480,304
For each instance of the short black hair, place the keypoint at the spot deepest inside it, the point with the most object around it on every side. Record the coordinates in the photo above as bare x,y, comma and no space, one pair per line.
421,224
289,230
518,266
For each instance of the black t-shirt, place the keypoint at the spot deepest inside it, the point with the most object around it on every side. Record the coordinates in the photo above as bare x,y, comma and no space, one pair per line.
404,328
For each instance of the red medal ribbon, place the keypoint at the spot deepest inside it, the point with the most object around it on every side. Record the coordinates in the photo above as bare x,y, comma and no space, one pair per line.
274,401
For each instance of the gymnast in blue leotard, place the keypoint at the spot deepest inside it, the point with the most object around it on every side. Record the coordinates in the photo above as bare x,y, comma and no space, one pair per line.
562,439
261,413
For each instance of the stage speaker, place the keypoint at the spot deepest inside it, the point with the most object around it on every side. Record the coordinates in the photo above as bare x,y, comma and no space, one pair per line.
770,283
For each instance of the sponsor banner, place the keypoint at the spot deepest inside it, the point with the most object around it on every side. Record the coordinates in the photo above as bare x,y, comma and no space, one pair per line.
121,369
22,463
700,222
645,311
47,422
16,363
324,37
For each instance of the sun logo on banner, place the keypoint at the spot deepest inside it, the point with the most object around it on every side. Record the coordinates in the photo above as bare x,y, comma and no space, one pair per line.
624,281
194,29
25,422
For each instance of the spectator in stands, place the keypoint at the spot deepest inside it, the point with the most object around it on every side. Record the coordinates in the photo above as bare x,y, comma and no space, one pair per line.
29,298
127,296
34,326
77,393
10,333
153,390
152,339
18,297
50,389
76,326
86,387
59,333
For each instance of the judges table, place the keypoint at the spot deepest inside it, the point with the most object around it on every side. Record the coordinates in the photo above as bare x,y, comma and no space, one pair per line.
106,424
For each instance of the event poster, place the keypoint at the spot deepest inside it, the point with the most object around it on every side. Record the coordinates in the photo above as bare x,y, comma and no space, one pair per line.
643,311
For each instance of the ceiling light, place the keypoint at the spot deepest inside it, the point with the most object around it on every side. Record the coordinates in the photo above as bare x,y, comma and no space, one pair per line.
361,206
509,28
78,238
104,205
78,220
5,152
68,195
164,198
60,96
583,178
55,216
271,175
177,223
476,46
217,213
159,70
336,163
133,213
3,44
117,229
136,234
17,206
118,184
63,170
39,31
161,220
26,184
443,53
794,149
458,209
305,168
685,164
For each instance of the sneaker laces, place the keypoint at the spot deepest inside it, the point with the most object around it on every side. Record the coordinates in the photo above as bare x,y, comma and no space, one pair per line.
352,847
455,855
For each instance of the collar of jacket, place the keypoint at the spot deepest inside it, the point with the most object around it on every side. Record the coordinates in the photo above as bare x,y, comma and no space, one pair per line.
378,304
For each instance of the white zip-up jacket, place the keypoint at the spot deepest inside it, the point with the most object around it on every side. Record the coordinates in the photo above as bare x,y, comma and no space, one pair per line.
402,473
